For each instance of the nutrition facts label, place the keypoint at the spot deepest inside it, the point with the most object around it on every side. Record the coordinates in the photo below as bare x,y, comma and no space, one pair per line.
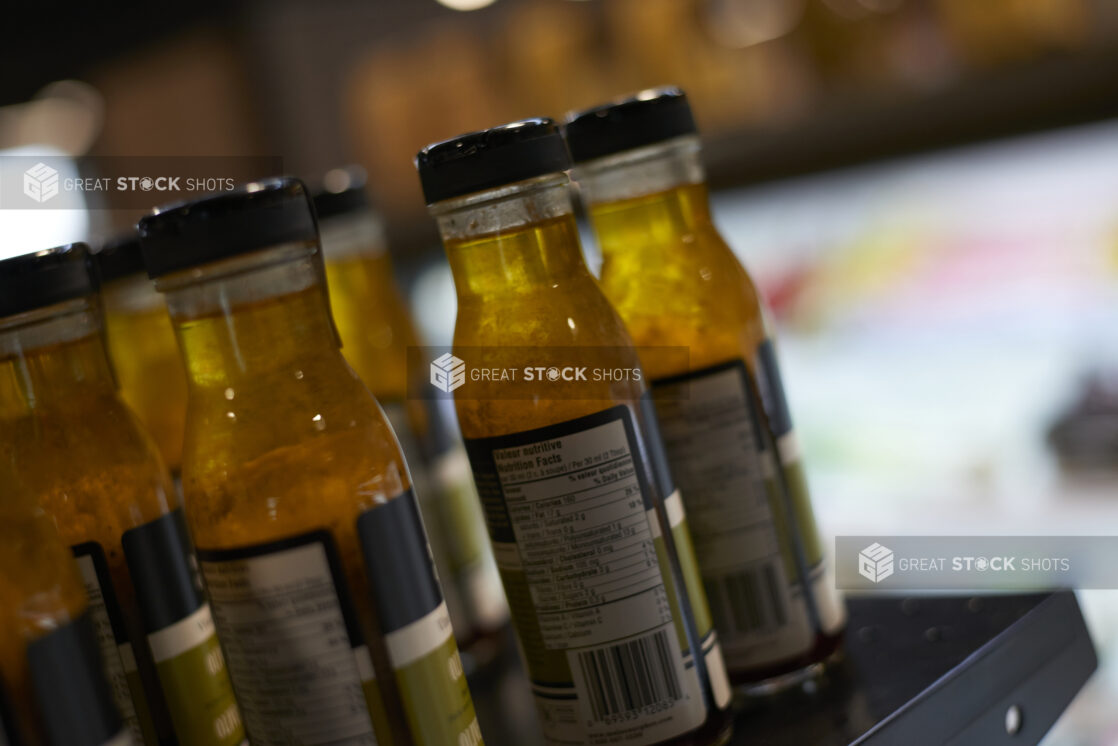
570,507
287,641
711,433
577,509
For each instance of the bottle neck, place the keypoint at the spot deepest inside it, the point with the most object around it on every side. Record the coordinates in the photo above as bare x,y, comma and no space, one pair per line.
647,197
356,255
515,239
53,358
131,294
358,234
253,315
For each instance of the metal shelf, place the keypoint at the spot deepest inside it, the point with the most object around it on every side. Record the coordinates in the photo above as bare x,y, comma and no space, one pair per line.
917,670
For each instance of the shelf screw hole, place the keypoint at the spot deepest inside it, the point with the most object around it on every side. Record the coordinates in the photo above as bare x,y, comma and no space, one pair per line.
1013,720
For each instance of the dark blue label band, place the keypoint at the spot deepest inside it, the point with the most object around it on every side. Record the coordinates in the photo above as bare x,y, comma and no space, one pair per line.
398,559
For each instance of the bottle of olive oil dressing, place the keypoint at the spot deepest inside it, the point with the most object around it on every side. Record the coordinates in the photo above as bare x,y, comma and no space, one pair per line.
722,412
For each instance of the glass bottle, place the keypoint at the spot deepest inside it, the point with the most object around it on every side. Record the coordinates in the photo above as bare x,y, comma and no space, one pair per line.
79,449
376,330
142,346
309,536
675,281
53,689
605,633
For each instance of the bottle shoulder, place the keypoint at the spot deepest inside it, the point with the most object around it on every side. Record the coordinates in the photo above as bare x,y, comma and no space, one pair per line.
278,454
572,312
700,297
511,345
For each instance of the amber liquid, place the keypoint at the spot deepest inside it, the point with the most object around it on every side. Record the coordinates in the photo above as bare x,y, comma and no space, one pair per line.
674,280
147,364
373,322
529,287
283,438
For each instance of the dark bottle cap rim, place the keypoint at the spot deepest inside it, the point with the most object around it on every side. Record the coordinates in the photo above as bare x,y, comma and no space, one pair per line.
252,217
342,192
43,278
119,257
487,159
645,118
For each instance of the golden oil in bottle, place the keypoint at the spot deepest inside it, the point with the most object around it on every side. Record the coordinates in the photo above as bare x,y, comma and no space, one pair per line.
309,536
722,412
142,346
591,542
84,456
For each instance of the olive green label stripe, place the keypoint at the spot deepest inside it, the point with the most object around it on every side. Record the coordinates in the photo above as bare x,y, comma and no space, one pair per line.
432,683
419,638
195,682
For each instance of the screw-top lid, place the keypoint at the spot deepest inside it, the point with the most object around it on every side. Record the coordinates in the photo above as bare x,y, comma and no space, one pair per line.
119,257
44,278
491,158
252,217
342,192
645,118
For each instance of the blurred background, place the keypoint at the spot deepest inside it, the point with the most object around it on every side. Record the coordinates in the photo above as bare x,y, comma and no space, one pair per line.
925,190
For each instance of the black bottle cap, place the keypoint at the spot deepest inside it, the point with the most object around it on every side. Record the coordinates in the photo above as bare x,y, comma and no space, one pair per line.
44,278
491,158
119,257
252,217
342,192
645,118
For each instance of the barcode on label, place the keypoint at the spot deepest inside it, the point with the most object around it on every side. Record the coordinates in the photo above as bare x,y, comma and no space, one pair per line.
751,600
630,676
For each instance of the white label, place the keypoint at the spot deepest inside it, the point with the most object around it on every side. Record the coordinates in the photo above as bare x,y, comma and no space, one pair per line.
113,655
294,670
452,468
788,446
587,549
832,612
709,434
364,663
477,576
712,650
483,586
185,634
716,669
408,644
